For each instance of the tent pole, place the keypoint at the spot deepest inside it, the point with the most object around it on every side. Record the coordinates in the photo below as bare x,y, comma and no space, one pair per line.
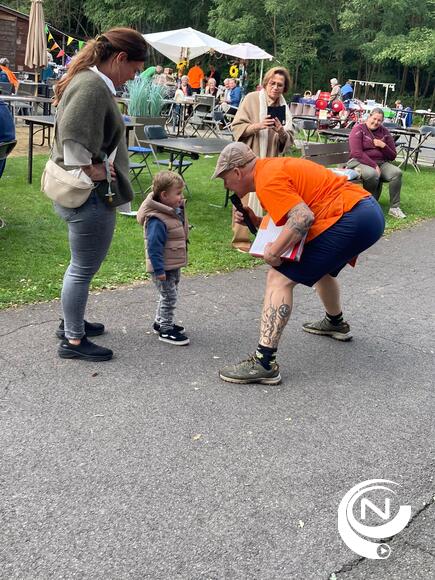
261,72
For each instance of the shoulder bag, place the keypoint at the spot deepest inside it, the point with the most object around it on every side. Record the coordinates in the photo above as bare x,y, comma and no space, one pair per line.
62,186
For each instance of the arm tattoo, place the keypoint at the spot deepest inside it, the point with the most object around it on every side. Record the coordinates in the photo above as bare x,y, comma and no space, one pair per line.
273,321
300,219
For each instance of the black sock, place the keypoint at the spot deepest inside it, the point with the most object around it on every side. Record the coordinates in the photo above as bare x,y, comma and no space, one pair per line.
335,320
265,356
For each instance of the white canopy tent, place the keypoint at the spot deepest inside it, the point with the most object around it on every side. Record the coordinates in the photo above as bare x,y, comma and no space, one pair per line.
248,51
185,43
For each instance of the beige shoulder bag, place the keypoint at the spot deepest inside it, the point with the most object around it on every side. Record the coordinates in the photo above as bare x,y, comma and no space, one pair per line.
62,186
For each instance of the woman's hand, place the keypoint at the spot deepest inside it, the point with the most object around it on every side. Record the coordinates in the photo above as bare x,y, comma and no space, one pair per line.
379,143
97,172
161,277
378,170
270,257
278,126
266,123
238,217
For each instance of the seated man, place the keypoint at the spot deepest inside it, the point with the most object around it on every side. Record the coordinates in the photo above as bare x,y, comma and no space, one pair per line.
233,98
7,129
347,92
4,68
340,220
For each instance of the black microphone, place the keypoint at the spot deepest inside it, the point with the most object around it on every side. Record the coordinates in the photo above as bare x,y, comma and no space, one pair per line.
237,203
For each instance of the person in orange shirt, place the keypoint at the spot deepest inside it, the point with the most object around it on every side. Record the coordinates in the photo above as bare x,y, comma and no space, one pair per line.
4,67
196,76
339,219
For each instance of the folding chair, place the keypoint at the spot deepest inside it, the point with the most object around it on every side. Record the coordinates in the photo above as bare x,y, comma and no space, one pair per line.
202,109
156,132
216,124
142,151
426,132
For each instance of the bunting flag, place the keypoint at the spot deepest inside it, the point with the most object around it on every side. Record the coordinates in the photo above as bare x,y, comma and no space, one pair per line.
50,36
70,39
60,53
46,29
67,60
81,44
55,46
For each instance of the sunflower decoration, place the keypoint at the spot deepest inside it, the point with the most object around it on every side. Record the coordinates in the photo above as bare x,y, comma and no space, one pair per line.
182,65
234,71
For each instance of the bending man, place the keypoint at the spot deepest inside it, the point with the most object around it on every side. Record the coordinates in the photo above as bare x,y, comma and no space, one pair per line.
340,220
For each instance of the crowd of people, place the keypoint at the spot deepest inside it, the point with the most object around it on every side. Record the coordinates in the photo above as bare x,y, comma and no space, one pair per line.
228,94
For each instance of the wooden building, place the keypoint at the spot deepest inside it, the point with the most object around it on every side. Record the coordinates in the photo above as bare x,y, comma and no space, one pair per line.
13,36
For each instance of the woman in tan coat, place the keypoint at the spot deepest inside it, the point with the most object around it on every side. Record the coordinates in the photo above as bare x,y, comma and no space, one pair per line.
267,136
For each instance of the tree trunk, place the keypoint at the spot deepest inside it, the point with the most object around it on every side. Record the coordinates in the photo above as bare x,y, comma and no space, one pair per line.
432,101
428,81
274,34
404,77
417,85
295,80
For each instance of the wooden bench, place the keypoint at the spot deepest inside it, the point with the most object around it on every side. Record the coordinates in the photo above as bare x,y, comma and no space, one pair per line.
328,154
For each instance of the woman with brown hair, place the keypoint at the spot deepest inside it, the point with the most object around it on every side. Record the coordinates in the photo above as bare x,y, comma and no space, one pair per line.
266,134
90,142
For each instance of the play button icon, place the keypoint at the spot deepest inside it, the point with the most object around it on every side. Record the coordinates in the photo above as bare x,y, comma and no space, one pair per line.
383,551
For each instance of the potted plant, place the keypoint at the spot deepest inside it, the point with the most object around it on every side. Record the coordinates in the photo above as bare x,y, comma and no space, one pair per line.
146,102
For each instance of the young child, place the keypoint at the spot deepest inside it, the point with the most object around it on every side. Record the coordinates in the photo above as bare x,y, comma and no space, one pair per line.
166,231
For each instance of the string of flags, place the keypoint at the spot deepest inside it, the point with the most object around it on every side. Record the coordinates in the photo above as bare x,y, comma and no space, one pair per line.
54,46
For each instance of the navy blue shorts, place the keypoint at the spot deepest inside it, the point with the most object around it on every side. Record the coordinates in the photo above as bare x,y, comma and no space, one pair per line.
329,252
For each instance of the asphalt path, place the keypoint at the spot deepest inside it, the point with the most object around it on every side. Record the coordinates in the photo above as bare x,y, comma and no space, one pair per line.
150,467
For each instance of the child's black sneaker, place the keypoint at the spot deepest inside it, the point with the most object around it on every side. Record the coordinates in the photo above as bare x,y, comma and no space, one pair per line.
176,327
91,329
172,336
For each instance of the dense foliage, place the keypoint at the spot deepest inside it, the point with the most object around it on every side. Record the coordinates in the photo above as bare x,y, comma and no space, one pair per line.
377,40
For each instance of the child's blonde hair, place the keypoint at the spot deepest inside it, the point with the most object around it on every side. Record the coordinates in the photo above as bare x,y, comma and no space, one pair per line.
163,180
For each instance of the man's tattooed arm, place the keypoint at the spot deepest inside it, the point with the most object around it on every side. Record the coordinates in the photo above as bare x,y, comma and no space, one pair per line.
300,219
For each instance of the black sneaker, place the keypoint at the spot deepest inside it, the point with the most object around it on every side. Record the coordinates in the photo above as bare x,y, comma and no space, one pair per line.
91,329
86,350
173,337
176,327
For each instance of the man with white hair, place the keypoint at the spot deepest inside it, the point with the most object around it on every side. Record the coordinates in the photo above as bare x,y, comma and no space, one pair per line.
335,90
10,77
339,220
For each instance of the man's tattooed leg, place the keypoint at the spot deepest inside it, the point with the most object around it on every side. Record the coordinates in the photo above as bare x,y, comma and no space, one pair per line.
273,320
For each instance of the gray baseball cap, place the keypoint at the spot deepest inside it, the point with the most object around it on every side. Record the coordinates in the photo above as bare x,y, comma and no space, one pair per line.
234,155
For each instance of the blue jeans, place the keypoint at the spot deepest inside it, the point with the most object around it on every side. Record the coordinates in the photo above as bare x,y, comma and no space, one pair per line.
90,232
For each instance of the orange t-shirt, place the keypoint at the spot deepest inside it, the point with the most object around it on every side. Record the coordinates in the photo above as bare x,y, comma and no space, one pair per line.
195,74
283,182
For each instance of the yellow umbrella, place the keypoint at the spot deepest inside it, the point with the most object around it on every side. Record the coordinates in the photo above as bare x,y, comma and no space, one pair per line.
36,47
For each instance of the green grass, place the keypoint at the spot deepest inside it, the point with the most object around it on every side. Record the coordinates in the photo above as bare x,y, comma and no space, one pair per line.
34,250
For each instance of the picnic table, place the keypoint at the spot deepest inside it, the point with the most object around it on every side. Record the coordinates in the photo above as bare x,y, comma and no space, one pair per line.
45,123
180,147
32,100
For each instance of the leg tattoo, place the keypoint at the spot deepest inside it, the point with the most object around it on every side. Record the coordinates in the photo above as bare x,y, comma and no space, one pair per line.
273,321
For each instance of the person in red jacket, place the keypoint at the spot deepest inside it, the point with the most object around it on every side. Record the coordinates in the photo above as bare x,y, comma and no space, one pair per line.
372,149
